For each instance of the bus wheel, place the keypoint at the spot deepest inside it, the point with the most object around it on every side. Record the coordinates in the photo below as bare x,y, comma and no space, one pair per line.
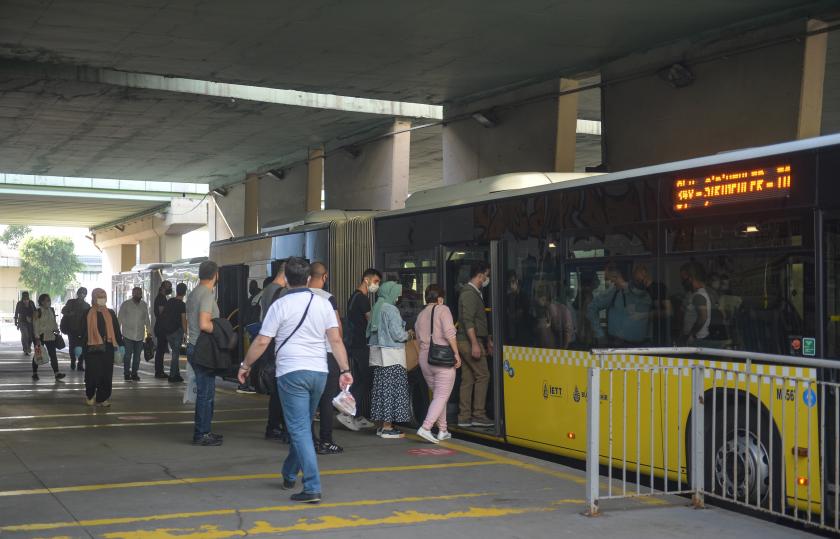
742,467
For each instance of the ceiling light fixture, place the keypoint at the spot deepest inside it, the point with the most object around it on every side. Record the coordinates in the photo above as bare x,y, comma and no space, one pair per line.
486,118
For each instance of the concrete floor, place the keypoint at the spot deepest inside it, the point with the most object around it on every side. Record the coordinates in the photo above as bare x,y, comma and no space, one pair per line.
67,470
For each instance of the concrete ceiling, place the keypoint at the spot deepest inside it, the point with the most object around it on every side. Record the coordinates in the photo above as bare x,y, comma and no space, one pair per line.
53,121
63,210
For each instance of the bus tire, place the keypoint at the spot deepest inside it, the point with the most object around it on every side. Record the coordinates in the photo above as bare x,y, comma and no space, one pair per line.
756,471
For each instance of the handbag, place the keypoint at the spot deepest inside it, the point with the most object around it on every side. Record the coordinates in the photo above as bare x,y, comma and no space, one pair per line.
412,354
439,355
59,341
118,357
265,377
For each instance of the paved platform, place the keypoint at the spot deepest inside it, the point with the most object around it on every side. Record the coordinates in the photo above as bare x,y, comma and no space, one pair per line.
67,470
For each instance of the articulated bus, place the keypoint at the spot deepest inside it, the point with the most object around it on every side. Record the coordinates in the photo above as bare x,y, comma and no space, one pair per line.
738,251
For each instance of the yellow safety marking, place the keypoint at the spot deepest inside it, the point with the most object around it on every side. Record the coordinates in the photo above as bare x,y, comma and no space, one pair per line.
216,479
514,462
120,425
96,413
225,512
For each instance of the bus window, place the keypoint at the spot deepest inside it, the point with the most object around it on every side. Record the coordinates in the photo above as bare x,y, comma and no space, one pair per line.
414,270
753,302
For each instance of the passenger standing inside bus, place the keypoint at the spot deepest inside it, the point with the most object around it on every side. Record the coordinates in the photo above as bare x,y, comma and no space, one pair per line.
24,313
661,312
45,328
358,316
201,310
627,309
160,336
134,324
73,312
324,444
175,327
698,307
434,324
389,402
474,344
101,337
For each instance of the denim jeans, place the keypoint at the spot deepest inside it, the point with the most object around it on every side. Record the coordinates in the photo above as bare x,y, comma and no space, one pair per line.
175,339
300,392
205,383
131,360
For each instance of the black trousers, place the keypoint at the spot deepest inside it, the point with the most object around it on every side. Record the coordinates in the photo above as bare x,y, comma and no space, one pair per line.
48,348
275,411
325,406
99,373
74,342
362,380
162,348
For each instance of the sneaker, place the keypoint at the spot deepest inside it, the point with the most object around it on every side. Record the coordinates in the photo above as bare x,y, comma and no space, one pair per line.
348,421
379,432
444,435
207,441
427,435
392,434
135,377
104,404
35,376
60,376
127,377
161,375
328,448
245,388
465,424
277,435
216,436
176,379
90,401
482,423
288,485
363,423
306,497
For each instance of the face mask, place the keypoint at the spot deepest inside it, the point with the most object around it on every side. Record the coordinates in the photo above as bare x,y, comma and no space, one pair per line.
373,288
101,301
136,299
486,283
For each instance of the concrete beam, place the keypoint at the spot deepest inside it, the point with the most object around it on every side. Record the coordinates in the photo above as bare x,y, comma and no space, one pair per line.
182,216
813,79
252,204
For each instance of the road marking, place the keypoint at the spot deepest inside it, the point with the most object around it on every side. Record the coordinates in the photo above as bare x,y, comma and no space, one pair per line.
119,425
102,414
77,389
224,478
226,512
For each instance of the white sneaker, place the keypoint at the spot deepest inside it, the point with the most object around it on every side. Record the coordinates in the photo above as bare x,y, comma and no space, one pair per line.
443,435
105,404
427,435
363,423
90,401
348,422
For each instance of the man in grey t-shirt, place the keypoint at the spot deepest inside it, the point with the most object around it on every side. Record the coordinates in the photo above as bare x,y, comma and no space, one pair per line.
201,310
271,289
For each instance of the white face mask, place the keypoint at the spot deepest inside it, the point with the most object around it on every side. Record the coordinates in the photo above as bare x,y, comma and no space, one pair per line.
101,301
486,283
373,288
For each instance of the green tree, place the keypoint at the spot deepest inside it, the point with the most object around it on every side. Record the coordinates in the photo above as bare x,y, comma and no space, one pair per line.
48,265
14,234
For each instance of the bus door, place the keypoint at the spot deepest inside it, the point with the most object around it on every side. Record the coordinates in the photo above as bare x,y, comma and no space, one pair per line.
456,263
232,296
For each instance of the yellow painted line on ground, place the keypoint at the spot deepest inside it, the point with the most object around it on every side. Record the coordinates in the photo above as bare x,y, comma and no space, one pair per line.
97,413
223,478
122,425
225,512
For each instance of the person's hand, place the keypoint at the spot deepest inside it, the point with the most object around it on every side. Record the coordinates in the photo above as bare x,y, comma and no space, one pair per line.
78,351
475,351
457,361
490,347
243,373
345,380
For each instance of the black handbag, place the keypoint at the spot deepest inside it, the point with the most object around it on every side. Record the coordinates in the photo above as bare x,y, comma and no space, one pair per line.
439,356
59,341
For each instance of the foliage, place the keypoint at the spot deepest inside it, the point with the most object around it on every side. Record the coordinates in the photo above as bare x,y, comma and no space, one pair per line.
14,234
48,265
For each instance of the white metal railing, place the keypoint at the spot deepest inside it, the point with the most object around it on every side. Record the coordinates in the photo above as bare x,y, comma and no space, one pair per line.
756,432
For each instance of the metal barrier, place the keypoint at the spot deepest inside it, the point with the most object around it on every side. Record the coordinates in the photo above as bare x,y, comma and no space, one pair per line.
756,431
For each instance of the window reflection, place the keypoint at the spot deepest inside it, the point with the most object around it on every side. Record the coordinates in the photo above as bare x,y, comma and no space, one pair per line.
414,270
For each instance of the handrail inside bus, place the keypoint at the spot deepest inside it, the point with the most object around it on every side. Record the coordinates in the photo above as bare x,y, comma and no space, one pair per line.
717,352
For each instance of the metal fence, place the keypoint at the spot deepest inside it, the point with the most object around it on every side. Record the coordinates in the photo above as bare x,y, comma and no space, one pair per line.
760,432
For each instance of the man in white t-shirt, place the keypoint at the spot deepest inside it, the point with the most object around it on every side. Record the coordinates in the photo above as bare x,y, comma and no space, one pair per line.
301,324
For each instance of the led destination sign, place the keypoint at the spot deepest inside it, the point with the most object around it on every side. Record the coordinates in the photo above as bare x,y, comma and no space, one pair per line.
731,187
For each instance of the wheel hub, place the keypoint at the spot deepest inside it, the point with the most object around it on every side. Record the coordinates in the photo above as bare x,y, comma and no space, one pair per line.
749,480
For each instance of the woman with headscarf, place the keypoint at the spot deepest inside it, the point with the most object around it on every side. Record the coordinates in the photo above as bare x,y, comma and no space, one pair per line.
387,337
101,336
45,329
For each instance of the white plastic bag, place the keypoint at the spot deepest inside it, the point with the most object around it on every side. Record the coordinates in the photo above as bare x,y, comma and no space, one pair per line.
41,356
345,403
191,390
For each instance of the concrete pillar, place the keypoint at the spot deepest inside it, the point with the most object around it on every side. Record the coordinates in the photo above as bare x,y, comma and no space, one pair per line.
531,129
118,258
252,205
315,179
813,78
372,175
150,250
164,248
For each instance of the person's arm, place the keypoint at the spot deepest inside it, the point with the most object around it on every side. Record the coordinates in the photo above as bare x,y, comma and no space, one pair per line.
147,322
449,332
205,316
467,307
340,354
17,315
702,316
593,311
391,318
66,309
117,332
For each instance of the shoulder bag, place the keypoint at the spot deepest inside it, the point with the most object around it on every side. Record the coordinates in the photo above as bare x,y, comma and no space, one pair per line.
439,355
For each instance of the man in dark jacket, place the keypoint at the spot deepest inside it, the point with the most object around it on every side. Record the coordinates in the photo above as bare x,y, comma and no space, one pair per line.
24,313
160,335
73,312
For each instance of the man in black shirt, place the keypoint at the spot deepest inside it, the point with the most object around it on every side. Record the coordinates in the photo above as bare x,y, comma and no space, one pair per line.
160,335
174,324
358,314
24,313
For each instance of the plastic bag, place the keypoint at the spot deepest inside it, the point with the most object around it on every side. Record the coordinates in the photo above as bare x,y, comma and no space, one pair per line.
191,390
40,357
345,403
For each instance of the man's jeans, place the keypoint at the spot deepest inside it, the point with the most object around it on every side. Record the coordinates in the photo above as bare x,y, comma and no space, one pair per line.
300,392
131,360
205,383
175,339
